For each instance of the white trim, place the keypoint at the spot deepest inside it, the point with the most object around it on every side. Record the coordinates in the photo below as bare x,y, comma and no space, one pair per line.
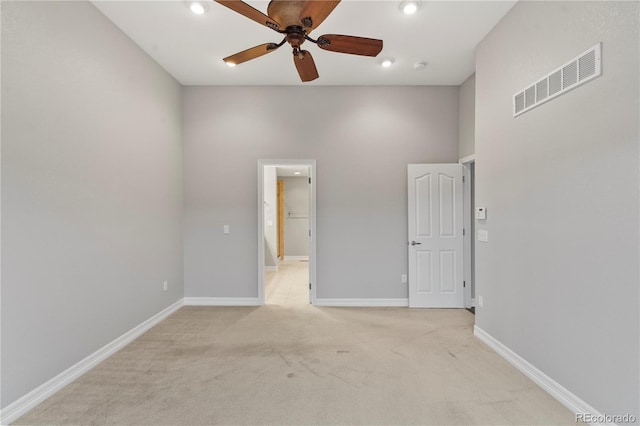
466,239
553,388
468,159
402,303
222,301
26,403
271,268
296,258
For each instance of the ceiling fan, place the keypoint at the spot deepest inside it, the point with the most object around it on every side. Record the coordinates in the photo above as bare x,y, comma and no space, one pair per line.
296,19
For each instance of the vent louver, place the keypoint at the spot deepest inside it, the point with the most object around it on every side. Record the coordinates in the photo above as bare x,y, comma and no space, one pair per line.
555,82
542,90
570,75
587,64
530,96
519,102
579,70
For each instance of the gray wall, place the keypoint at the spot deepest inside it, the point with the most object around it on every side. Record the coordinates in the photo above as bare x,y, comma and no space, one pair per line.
296,225
91,188
467,117
362,139
559,274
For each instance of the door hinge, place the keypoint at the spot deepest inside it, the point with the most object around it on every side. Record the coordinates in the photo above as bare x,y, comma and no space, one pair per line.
462,179
464,283
309,286
309,232
309,180
464,232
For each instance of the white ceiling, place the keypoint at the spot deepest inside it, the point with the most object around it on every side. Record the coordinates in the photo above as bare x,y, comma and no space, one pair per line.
191,47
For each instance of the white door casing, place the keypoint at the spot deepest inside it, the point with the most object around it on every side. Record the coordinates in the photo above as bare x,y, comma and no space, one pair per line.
467,214
311,164
435,235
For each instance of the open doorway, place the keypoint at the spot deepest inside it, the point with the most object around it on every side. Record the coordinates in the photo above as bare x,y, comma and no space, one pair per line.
469,238
286,231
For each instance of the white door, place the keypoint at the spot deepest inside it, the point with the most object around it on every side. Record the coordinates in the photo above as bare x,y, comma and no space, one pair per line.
435,236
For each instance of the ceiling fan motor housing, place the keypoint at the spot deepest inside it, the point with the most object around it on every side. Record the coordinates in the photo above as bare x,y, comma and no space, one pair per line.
295,35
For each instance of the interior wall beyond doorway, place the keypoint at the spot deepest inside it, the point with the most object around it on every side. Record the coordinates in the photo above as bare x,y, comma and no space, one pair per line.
270,217
296,217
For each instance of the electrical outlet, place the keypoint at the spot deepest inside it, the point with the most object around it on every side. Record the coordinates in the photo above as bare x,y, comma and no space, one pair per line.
403,277
225,229
481,301
165,286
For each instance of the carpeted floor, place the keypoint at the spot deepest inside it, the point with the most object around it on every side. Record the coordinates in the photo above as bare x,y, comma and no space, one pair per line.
291,363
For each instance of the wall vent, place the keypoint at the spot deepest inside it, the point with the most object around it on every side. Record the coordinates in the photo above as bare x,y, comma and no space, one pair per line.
579,70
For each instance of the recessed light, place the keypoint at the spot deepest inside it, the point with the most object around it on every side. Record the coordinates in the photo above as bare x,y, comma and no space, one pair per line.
297,172
386,62
231,64
197,7
409,7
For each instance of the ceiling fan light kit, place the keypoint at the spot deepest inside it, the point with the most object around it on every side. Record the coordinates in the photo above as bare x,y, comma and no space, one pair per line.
295,20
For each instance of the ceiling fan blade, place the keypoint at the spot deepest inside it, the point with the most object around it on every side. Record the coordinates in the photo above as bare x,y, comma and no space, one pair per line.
305,65
317,10
244,9
350,44
254,52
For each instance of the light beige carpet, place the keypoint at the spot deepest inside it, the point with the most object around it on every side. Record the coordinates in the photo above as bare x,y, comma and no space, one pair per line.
292,363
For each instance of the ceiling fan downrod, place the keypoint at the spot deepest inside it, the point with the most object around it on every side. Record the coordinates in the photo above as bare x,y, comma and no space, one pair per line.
299,53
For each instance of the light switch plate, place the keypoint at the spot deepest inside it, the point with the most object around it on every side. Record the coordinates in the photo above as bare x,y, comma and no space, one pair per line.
483,235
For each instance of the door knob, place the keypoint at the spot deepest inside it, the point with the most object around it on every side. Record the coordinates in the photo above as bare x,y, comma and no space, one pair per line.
413,243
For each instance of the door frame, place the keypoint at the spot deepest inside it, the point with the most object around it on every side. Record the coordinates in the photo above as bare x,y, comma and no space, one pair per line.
311,164
280,219
469,237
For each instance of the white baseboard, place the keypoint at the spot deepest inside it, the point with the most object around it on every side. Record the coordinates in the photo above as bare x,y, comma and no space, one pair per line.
296,258
24,404
221,301
271,268
553,388
403,303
